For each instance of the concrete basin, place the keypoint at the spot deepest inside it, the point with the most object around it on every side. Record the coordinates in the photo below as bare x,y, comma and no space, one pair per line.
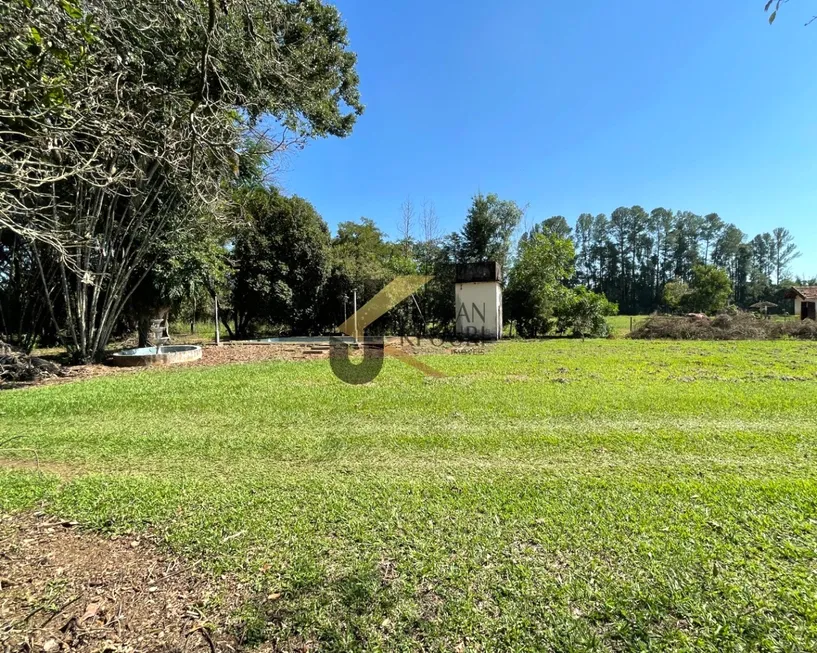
164,355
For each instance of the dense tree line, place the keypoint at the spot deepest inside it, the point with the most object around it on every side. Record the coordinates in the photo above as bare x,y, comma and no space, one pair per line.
631,255
635,261
276,268
285,273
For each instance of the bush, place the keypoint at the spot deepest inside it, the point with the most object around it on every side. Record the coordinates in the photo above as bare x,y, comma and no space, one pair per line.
583,313
726,326
674,293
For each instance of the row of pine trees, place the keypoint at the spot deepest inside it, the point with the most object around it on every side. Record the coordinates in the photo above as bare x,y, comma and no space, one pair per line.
631,254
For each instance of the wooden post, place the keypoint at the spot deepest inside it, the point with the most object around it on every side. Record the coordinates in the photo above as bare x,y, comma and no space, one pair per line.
218,335
354,308
631,324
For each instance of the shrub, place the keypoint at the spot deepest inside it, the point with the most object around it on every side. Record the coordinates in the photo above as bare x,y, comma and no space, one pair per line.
674,293
583,313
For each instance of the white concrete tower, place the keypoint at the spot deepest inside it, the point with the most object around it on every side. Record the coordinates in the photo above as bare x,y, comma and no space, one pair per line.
478,301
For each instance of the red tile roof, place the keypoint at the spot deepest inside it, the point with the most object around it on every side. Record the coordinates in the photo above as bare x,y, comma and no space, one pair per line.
804,292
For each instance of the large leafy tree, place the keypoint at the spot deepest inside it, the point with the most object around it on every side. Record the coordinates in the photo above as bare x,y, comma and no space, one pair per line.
186,266
359,262
363,262
362,252
121,121
558,225
673,294
488,231
280,257
537,283
539,297
710,289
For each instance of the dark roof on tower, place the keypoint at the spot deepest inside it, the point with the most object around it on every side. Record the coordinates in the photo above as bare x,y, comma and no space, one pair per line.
478,272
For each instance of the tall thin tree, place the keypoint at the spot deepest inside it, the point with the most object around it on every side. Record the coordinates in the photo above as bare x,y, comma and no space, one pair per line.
785,251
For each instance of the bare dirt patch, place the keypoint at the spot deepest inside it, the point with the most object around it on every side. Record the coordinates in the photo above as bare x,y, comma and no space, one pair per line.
33,464
62,589
237,353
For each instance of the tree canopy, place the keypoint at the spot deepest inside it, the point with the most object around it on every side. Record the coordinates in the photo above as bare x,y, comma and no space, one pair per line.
488,231
537,283
633,254
123,120
280,263
710,289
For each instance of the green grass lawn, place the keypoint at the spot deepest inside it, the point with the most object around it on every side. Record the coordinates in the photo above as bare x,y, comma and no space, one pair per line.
560,495
620,324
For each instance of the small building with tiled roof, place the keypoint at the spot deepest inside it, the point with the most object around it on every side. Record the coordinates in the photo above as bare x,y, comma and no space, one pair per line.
805,301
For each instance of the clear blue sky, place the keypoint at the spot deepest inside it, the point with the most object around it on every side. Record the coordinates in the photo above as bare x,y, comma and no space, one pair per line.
572,107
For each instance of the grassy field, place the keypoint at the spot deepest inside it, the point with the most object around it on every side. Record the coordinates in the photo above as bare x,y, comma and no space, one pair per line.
560,495
620,324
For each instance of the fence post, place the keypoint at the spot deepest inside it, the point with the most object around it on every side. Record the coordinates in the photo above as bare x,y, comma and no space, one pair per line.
218,335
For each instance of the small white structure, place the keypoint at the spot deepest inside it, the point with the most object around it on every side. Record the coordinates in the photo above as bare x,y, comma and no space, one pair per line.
478,301
805,301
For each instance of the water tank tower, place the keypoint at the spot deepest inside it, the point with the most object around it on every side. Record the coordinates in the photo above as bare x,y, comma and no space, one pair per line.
478,301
